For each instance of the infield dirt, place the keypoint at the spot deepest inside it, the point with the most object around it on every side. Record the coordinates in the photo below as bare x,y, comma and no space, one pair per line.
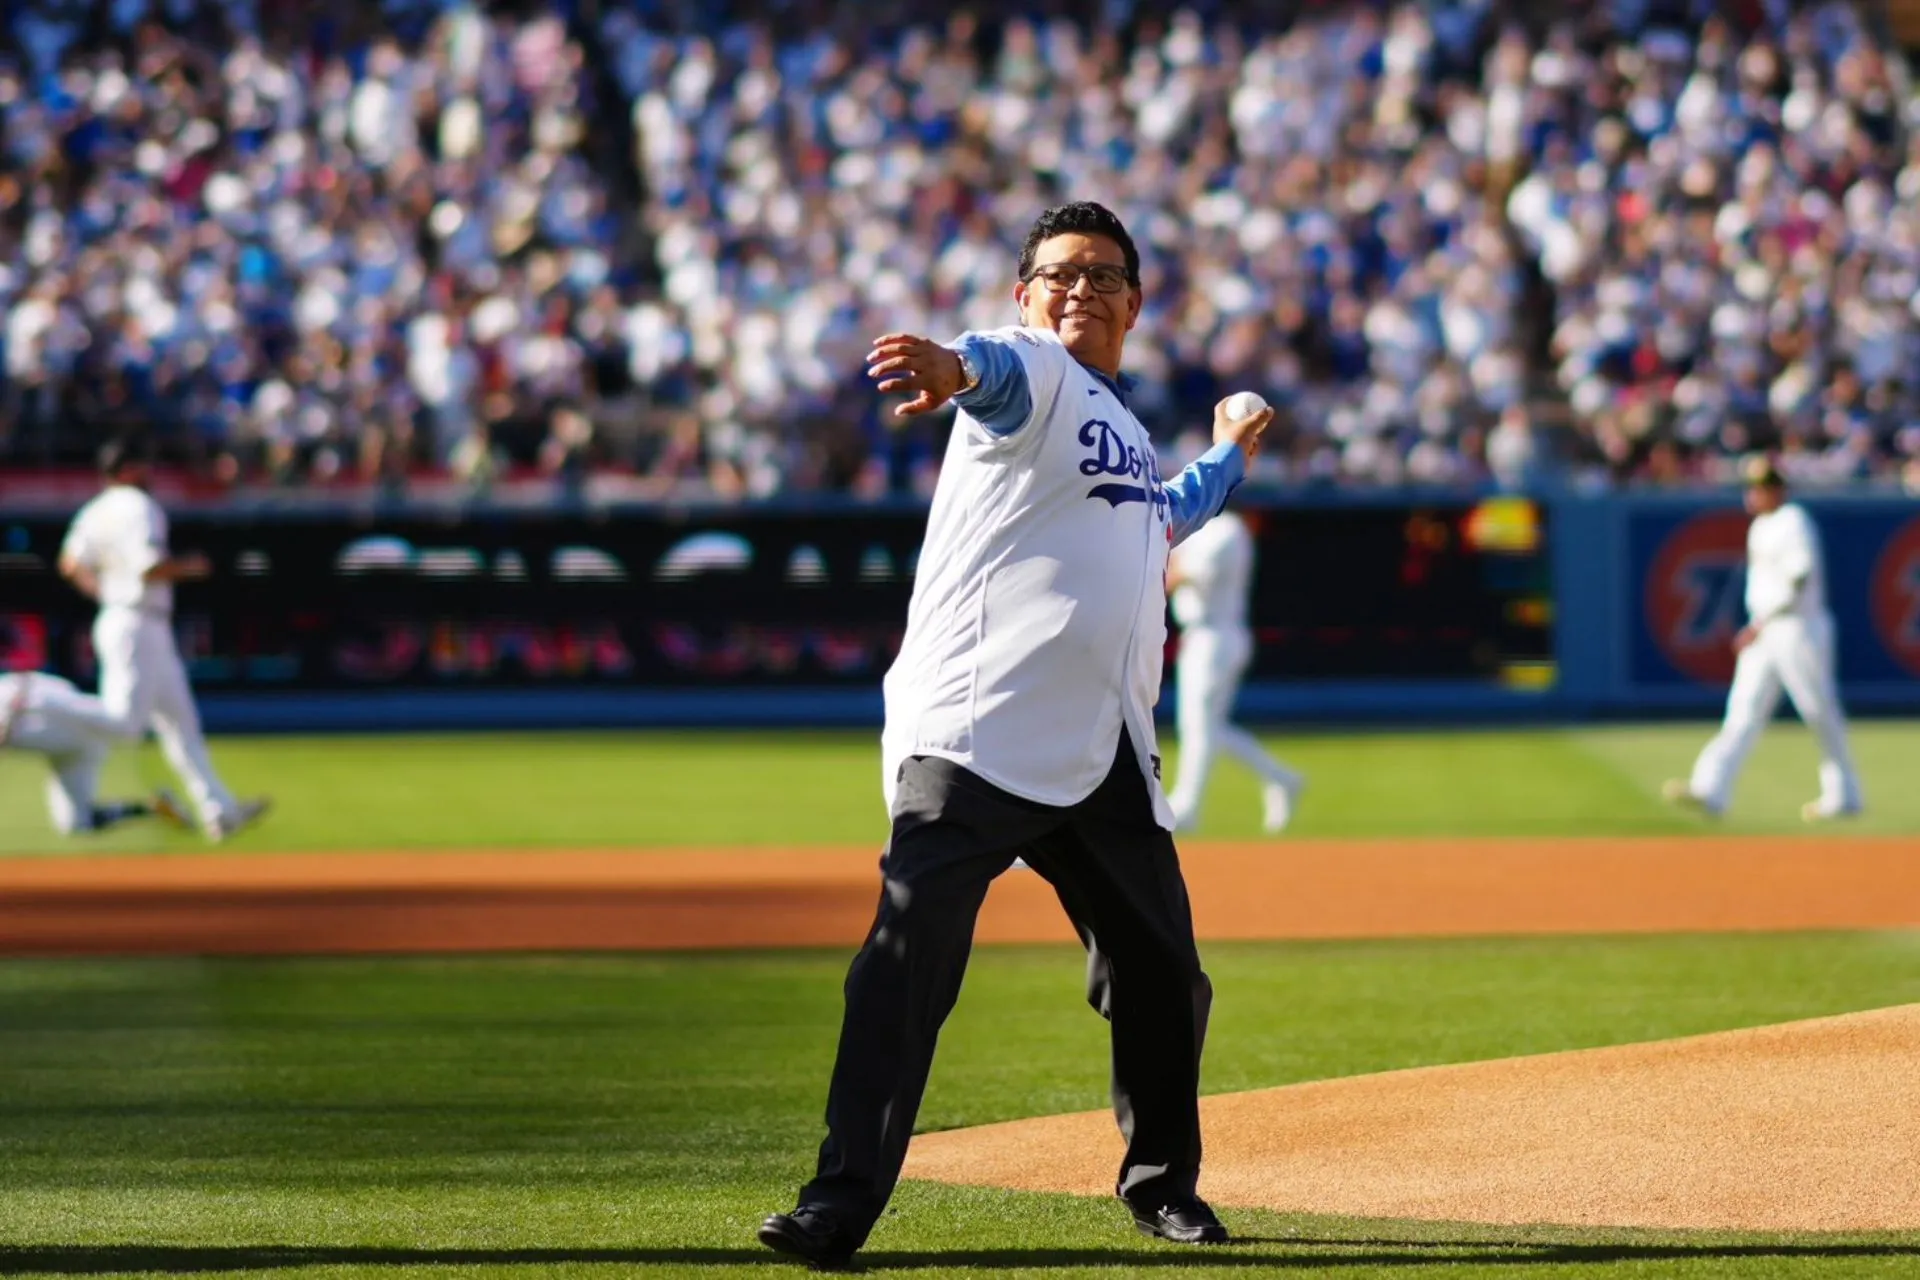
540,900
1812,1126
1806,1126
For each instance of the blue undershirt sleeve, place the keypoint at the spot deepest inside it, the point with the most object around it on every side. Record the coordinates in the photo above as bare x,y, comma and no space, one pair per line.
1197,494
1002,401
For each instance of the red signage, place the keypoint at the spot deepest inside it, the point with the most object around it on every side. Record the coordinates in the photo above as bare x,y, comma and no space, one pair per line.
1694,593
1896,596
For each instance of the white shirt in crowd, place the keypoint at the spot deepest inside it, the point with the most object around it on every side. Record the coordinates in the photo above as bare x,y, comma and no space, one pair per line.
120,535
1216,572
1783,547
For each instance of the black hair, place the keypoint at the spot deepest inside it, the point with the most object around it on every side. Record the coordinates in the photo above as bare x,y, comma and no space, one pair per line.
117,453
1760,472
1082,217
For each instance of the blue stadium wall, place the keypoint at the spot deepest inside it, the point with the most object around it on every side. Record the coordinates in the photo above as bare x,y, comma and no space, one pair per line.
1392,608
1649,590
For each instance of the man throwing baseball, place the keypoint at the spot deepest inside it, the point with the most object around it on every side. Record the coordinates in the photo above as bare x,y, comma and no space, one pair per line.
116,554
1019,724
1787,643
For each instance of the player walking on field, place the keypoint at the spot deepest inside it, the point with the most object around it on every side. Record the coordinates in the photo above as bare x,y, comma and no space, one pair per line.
1788,643
1020,725
116,554
75,732
1210,580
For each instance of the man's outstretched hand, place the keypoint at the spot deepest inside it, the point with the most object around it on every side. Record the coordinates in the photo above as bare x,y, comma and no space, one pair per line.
927,371
1244,432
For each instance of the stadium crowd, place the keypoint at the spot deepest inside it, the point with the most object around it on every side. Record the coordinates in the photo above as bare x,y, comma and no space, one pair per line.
1455,241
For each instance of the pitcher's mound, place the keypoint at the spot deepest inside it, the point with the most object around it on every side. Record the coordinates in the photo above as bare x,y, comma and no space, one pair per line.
1807,1126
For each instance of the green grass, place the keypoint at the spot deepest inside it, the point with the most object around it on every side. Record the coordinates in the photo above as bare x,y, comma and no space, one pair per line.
714,789
535,1116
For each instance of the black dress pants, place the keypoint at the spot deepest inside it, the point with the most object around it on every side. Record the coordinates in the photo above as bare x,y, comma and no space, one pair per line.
1118,877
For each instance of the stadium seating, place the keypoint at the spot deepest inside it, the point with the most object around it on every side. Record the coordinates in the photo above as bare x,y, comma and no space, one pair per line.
1458,242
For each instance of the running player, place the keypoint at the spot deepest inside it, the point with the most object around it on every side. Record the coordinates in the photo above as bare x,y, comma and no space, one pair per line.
1209,580
116,554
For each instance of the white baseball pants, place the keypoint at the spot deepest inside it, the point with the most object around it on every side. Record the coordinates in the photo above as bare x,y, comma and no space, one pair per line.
75,732
1794,654
1209,668
143,681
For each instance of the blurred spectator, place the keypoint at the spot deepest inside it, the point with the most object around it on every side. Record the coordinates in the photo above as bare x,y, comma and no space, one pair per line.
654,237
564,455
477,462
1513,454
1726,214
272,229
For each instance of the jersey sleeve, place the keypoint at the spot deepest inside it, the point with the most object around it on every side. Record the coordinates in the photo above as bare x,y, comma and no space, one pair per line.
82,543
1198,493
1021,373
1002,402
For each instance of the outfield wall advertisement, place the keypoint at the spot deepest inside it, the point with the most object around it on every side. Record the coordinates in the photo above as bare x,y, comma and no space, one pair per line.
1384,608
741,600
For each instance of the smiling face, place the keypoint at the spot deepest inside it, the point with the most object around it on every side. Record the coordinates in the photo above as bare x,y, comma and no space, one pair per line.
1092,325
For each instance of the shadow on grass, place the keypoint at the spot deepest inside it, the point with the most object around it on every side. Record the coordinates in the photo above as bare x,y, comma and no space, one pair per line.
1247,1252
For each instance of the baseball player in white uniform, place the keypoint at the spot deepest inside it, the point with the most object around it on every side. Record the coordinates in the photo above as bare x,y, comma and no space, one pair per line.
116,554
1788,643
75,732
1019,724
1210,580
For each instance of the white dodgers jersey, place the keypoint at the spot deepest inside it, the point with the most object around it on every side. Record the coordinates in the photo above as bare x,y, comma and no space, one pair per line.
1037,625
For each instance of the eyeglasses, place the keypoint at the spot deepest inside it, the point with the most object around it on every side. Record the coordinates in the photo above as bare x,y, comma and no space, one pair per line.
1064,277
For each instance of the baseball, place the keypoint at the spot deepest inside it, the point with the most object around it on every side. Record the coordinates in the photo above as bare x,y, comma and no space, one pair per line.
1244,404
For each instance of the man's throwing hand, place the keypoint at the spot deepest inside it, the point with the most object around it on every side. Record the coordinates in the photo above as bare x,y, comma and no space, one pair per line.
926,370
1244,432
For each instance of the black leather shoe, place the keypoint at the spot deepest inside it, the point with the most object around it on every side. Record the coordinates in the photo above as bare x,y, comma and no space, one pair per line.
813,1232
1183,1222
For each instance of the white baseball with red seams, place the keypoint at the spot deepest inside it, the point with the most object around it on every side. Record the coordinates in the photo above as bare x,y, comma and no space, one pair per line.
1244,404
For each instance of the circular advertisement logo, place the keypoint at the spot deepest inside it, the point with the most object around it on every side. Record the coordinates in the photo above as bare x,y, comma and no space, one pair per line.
1896,596
1694,593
